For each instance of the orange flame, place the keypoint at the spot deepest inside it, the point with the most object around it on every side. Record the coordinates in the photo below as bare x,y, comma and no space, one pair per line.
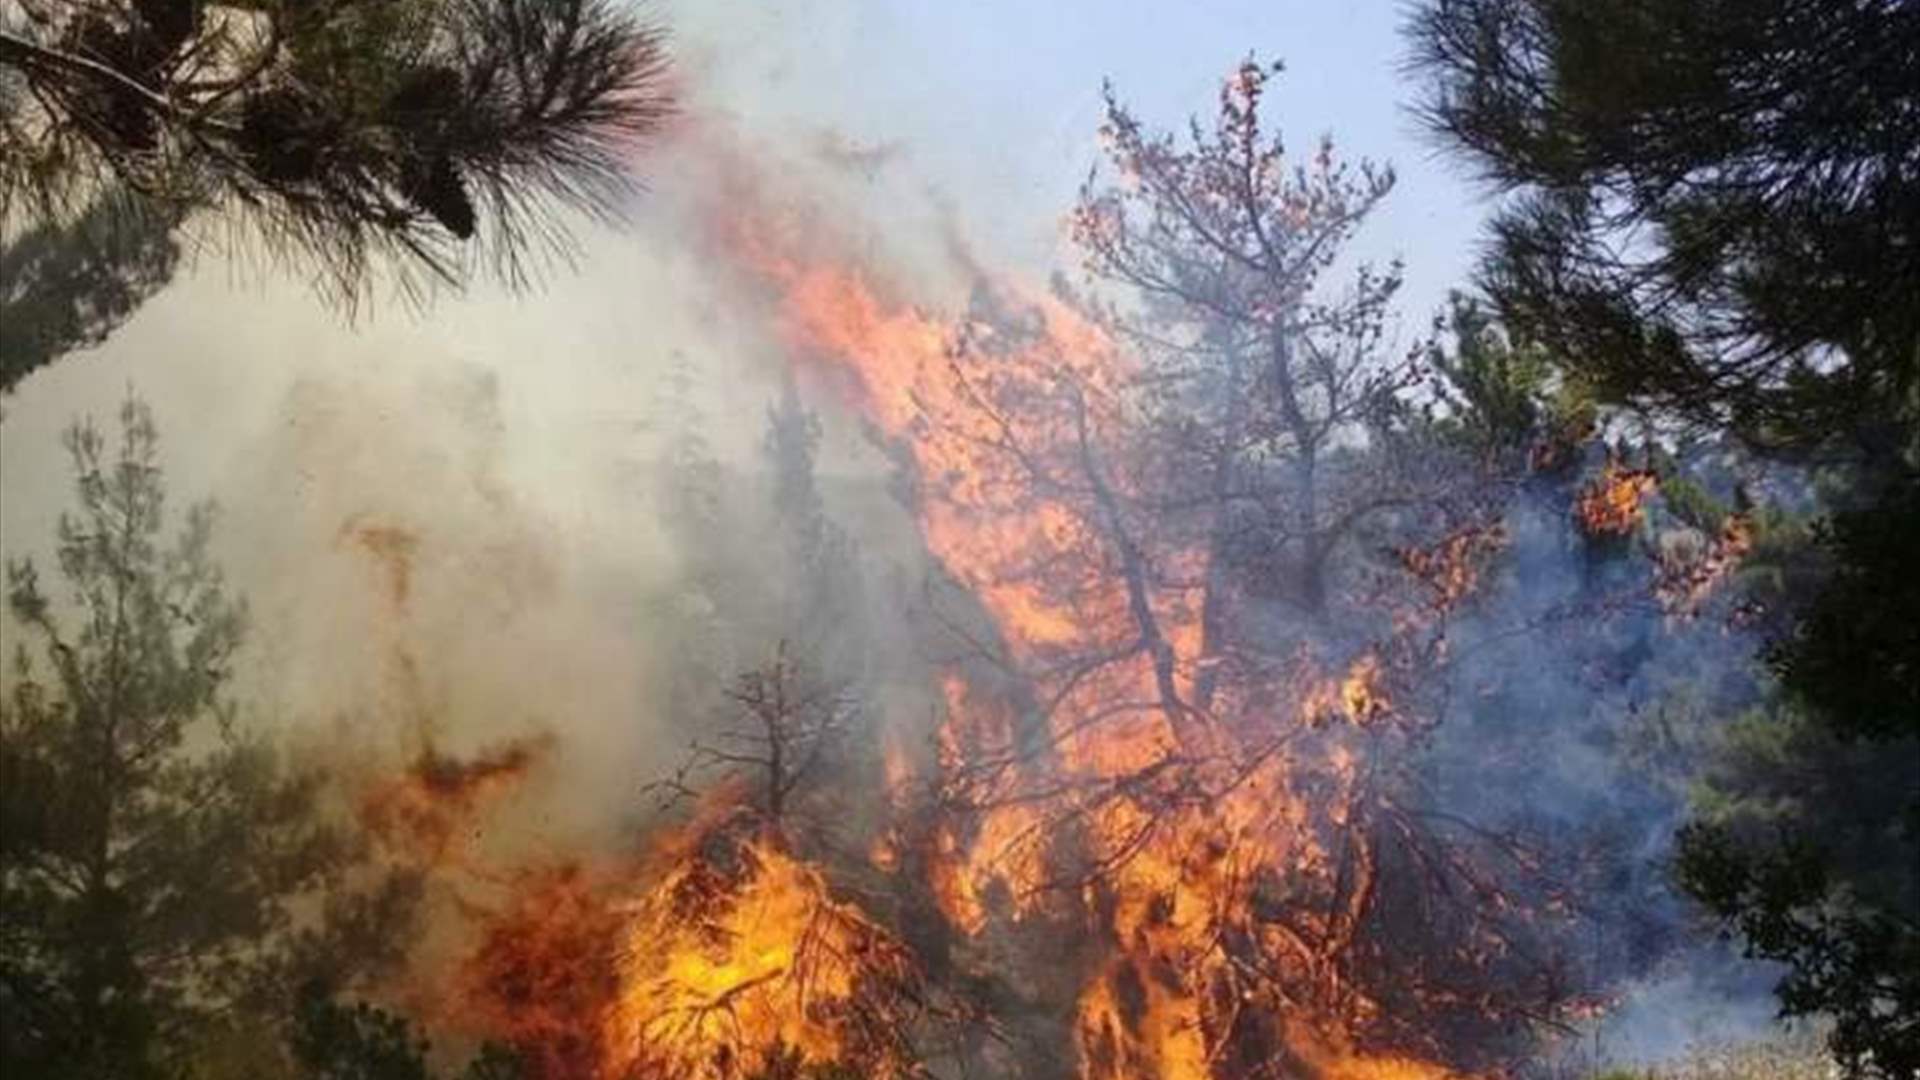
1451,568
739,959
1610,506
1689,573
543,979
1012,426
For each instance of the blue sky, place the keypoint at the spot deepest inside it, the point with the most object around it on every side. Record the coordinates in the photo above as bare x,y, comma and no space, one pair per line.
996,102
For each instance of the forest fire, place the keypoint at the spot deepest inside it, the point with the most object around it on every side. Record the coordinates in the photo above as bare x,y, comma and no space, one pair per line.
1690,570
543,979
1451,568
1186,846
1182,834
1180,827
875,622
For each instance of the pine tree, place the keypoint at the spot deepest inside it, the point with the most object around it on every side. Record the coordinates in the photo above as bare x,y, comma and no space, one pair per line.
69,286
162,872
1714,216
1716,206
822,596
427,136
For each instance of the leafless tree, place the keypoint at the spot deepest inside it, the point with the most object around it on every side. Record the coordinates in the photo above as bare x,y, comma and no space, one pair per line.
786,726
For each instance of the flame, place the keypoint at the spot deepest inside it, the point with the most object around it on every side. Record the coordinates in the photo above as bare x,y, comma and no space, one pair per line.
431,809
897,774
1094,790
543,979
739,958
1689,572
1358,697
1610,505
1190,824
1451,567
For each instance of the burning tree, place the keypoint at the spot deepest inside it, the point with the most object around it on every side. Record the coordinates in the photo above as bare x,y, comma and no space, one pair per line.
740,961
739,958
1252,376
1209,556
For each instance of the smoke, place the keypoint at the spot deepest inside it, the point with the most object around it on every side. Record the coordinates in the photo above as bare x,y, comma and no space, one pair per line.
1575,716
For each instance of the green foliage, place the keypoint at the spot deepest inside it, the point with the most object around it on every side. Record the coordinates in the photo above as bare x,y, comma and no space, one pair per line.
336,1040
1854,654
1806,845
1717,202
1498,396
494,1062
426,136
333,1041
1717,218
1494,393
66,287
156,861
819,578
1687,500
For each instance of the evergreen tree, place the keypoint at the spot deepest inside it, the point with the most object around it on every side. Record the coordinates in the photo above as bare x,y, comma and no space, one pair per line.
1716,218
822,596
342,133
162,872
1717,205
68,286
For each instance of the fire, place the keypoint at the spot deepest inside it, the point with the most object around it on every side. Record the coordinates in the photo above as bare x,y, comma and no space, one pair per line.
543,979
1202,828
885,851
1610,506
1359,697
424,810
721,956
1382,1069
1451,568
1188,827
739,959
979,753
1690,570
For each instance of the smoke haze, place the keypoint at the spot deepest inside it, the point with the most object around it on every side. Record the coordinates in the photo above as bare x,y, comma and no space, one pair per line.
448,523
